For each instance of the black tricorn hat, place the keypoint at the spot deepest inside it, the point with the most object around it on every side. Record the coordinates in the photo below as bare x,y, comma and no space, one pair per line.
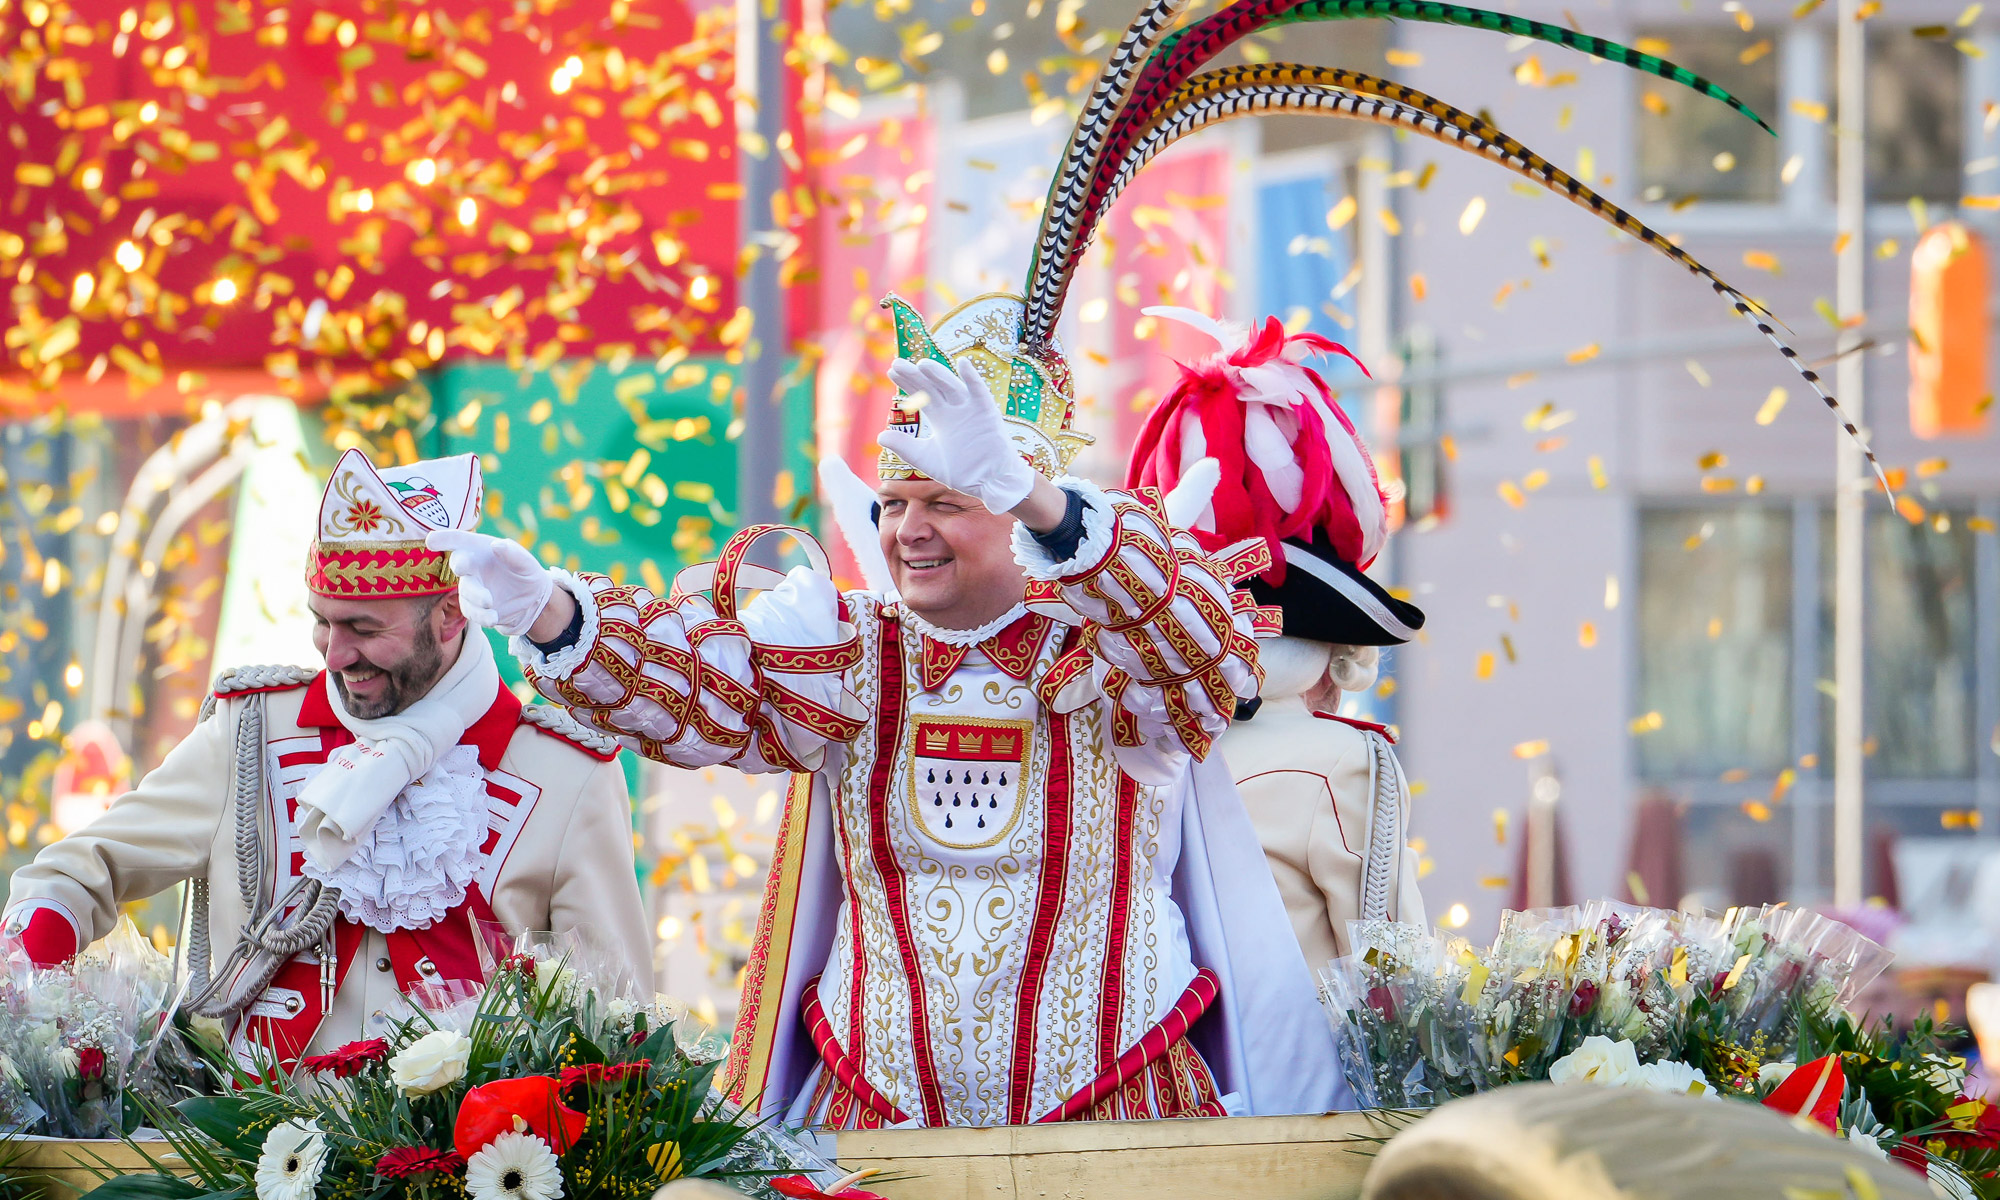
1325,598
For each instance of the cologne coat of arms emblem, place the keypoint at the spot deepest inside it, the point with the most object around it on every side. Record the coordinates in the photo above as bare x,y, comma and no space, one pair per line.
965,784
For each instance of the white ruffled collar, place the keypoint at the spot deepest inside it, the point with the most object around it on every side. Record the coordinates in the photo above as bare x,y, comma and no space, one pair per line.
416,861
962,637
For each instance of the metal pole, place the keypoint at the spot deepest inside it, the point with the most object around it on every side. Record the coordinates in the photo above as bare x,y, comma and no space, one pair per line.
760,112
1852,487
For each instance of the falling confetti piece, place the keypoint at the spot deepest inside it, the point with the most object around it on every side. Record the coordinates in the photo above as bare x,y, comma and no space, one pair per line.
1449,446
1714,628
1583,354
1754,52
1512,494
1390,224
1793,165
1533,749
1610,592
1649,723
1712,460
1724,162
1987,203
1655,103
1598,479
1700,374
1535,480
1586,634
1403,58
1932,467
1908,509
1811,110
1535,417
1485,664
1959,818
1475,209
1496,882
1782,785
1773,404
1341,213
1418,288
1500,826
1757,810
1889,248
1507,648
1761,260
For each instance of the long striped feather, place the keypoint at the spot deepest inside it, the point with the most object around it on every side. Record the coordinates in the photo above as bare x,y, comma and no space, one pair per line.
1076,202
1253,91
1069,190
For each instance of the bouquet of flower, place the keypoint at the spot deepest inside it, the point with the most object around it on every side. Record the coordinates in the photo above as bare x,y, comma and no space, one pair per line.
535,1086
76,1040
1600,991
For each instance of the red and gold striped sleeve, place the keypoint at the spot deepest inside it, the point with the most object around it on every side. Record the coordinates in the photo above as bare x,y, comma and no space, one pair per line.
1170,639
680,683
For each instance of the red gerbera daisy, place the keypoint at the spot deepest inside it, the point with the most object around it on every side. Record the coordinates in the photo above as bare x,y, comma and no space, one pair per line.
349,1059
404,1161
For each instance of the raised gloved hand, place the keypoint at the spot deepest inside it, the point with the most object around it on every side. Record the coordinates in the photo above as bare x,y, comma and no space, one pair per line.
500,584
965,444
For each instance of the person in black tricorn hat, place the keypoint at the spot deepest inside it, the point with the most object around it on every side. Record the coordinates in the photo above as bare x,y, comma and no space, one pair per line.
1251,444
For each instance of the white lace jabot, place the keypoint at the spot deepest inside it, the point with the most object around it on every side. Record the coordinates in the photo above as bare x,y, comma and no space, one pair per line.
414,864
961,637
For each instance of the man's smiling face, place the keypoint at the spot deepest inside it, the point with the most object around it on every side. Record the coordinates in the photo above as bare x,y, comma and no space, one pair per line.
952,560
385,655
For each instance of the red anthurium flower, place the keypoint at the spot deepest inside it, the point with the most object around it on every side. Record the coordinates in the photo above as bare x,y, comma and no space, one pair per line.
798,1187
349,1059
491,1109
404,1161
1813,1090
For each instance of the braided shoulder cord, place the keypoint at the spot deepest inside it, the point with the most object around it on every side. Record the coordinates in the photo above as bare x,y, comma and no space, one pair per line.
264,941
1385,823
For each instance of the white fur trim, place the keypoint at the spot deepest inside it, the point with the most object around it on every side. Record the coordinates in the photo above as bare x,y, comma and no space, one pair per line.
1338,580
563,663
1099,536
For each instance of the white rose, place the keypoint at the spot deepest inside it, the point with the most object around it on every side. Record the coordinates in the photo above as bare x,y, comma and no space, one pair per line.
1867,1142
1599,1060
1677,1077
551,973
435,1060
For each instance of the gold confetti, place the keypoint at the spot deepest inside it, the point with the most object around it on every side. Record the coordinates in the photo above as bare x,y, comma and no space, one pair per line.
1403,58
1512,494
1888,248
1507,648
1649,723
1761,260
1654,103
1583,354
1390,225
1468,220
1483,669
1500,826
1811,110
1959,818
1535,480
1774,404
1417,286
1448,445
1757,810
1754,52
1598,479
1586,634
1341,213
1712,460
1610,592
1725,162
1931,467
1533,749
1984,203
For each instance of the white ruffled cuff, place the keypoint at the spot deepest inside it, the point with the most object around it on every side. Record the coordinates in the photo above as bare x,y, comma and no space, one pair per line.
1100,527
565,662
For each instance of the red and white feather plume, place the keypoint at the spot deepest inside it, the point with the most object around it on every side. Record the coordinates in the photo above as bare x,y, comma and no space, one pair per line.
1291,462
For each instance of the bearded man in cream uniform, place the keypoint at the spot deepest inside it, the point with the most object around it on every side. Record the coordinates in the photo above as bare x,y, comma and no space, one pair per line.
350,833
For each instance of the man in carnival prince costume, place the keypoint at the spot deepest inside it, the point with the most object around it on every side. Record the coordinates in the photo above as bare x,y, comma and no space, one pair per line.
1007,887
346,830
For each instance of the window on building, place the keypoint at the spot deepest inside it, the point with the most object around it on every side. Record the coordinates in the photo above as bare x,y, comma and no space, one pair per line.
1915,117
1921,685
1714,640
1692,146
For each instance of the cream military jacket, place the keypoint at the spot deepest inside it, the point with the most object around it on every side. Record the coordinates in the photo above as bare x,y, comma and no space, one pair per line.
558,853
1326,796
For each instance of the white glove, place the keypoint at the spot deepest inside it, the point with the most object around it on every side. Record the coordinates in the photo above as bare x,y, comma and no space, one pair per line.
500,584
965,446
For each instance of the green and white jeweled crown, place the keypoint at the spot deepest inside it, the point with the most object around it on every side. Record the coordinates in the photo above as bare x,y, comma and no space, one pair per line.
1033,389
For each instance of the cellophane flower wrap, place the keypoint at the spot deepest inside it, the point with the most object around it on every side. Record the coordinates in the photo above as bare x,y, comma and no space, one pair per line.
79,1042
1611,994
548,1080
